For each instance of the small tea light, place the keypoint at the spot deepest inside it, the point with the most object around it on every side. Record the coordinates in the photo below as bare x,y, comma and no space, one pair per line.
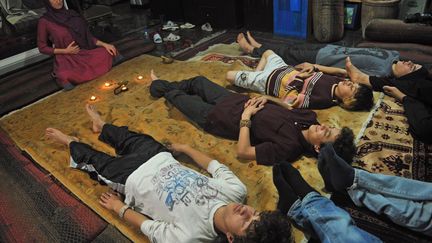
140,77
124,88
93,98
107,84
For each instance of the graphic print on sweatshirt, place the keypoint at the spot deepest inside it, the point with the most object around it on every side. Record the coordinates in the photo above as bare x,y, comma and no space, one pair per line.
181,186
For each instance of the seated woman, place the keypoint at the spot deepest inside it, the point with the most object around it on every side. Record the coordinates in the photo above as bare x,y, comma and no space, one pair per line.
79,57
313,87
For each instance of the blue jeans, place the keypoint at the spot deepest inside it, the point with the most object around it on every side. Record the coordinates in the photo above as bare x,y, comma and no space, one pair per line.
318,216
404,201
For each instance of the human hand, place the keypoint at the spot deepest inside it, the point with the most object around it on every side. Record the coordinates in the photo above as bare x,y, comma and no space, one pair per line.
72,48
262,99
253,106
111,201
394,92
177,148
306,70
111,49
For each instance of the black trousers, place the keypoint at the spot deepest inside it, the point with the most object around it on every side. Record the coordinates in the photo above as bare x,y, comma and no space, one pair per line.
419,118
133,150
194,97
292,54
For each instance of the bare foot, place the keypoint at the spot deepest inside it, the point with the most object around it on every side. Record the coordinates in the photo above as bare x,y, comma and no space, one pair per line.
354,73
59,137
153,75
251,40
98,123
244,45
394,92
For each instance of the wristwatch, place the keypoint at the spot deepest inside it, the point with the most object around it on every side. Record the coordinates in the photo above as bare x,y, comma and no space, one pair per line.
245,123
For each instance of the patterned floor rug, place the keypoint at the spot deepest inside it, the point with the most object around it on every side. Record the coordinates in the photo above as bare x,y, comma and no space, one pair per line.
135,108
387,147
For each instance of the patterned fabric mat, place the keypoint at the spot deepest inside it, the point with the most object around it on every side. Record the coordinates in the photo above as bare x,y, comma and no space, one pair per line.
386,146
135,108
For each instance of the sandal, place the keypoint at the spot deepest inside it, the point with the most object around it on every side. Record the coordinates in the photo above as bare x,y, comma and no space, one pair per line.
157,38
170,26
187,26
207,27
172,37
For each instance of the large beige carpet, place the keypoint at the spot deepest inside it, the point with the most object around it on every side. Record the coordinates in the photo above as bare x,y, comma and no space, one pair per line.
135,108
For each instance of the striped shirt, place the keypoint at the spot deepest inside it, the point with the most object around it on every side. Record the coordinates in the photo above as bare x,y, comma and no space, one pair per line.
314,92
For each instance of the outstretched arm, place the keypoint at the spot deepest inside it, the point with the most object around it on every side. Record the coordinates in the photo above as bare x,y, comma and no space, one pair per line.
200,158
113,202
308,68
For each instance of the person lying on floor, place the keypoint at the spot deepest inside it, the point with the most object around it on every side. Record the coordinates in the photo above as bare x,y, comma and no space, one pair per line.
266,132
373,61
317,216
173,196
309,88
404,201
413,88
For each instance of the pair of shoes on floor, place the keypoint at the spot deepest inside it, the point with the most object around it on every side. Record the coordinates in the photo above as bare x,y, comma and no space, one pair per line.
187,26
170,26
172,37
207,27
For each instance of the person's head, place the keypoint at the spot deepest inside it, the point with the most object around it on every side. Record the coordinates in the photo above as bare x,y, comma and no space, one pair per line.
402,68
353,96
270,226
344,145
56,4
237,219
342,139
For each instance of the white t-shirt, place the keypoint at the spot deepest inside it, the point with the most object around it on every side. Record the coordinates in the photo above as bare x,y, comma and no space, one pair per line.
181,201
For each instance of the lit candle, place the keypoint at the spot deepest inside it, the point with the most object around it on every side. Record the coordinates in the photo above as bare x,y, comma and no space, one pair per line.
107,84
140,77
93,98
124,88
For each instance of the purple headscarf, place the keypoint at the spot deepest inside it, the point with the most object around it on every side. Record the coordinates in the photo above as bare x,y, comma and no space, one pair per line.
72,20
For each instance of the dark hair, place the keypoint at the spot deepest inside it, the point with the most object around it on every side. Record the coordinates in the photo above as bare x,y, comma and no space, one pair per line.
344,145
272,227
362,100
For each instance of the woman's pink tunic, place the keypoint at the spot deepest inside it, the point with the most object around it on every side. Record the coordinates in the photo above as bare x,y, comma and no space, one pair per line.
71,68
